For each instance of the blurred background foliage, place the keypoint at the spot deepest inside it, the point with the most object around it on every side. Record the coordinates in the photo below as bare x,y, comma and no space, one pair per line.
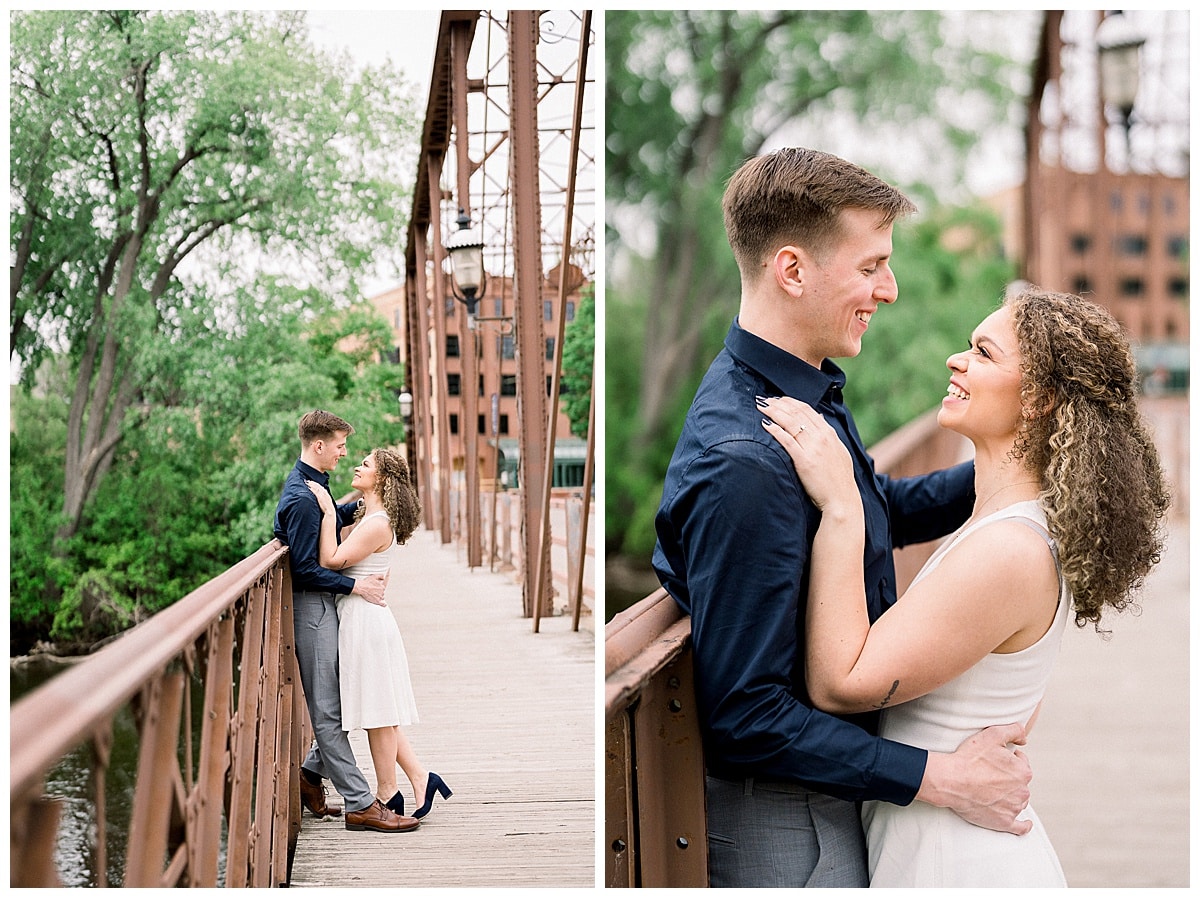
910,95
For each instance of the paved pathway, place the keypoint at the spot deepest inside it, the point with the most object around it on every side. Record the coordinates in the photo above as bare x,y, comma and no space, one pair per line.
1110,749
507,718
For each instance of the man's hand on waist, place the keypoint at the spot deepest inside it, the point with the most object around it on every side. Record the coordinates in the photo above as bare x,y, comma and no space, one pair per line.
985,780
372,589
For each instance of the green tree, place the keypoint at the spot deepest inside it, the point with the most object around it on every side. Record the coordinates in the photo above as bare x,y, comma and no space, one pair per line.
152,152
193,487
690,95
579,352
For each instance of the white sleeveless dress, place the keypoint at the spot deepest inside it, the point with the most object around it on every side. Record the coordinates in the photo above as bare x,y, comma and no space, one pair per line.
922,845
372,665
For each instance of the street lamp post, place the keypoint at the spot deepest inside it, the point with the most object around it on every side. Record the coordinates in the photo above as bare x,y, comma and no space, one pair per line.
405,400
1119,46
465,248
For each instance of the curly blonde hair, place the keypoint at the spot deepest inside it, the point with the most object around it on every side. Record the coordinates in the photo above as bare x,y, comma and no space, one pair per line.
1102,486
394,484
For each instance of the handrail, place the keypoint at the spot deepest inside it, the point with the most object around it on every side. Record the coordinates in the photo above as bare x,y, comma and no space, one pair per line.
654,772
232,640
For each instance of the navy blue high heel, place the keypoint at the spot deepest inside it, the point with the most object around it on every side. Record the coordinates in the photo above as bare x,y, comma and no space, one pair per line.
435,784
396,803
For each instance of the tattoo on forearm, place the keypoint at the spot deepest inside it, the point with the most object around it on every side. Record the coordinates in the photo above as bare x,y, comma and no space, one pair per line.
891,692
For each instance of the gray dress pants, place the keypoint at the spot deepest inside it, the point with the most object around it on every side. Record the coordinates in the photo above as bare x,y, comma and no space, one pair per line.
772,834
316,624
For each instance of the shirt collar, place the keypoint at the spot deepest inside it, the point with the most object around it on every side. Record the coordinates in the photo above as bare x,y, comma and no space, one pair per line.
790,374
321,477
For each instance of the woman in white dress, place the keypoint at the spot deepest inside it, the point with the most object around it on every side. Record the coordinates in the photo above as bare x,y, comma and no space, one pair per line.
1069,501
373,668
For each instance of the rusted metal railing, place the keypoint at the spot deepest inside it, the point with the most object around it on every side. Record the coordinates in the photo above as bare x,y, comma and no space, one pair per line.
572,543
218,779
654,766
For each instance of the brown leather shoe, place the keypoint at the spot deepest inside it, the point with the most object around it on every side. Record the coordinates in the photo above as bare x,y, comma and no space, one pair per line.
377,817
312,796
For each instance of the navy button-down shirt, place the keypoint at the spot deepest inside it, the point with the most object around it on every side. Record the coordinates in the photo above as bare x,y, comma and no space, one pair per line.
735,532
298,526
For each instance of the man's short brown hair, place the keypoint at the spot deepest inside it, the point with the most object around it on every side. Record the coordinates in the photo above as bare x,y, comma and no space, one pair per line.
797,195
319,425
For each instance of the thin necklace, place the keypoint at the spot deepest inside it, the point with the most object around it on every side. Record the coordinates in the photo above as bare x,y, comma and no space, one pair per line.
1007,486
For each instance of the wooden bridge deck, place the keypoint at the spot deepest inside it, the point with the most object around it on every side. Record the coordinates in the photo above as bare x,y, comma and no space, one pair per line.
507,718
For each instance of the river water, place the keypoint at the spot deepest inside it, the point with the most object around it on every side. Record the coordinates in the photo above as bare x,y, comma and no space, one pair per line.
68,782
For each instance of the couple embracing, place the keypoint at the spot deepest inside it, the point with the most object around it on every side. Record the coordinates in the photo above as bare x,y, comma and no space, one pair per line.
348,646
851,737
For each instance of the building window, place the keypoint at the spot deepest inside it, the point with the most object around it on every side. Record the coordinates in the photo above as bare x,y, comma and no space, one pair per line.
1178,287
1080,243
449,306
570,311
1169,206
1144,203
454,384
1177,247
1115,201
548,310
507,347
504,423
1131,245
1133,288
549,349
453,423
483,424
508,385
452,349
397,318
1082,286
481,385
498,307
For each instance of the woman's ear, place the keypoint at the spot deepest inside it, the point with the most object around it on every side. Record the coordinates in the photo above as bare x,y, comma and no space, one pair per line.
788,265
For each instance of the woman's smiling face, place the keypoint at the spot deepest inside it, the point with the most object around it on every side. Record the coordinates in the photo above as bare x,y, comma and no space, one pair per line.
984,396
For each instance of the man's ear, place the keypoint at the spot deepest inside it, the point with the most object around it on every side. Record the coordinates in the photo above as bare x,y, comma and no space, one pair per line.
788,266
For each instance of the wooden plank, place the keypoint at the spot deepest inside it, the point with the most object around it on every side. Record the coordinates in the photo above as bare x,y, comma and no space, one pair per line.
507,718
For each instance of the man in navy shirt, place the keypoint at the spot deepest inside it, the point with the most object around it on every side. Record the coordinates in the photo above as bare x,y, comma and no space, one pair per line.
314,602
812,235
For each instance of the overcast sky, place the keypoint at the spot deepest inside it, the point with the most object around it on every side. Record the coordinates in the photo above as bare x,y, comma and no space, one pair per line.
407,38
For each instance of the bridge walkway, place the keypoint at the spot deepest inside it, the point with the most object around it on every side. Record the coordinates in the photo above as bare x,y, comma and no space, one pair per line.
507,718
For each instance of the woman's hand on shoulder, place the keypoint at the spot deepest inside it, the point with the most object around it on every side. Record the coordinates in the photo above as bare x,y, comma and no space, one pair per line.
324,500
821,460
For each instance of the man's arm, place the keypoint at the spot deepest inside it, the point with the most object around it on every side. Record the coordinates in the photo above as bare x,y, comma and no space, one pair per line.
300,520
929,506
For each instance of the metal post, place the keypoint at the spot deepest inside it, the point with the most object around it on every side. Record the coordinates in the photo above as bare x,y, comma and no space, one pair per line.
417,326
439,335
527,281
588,474
460,46
563,269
